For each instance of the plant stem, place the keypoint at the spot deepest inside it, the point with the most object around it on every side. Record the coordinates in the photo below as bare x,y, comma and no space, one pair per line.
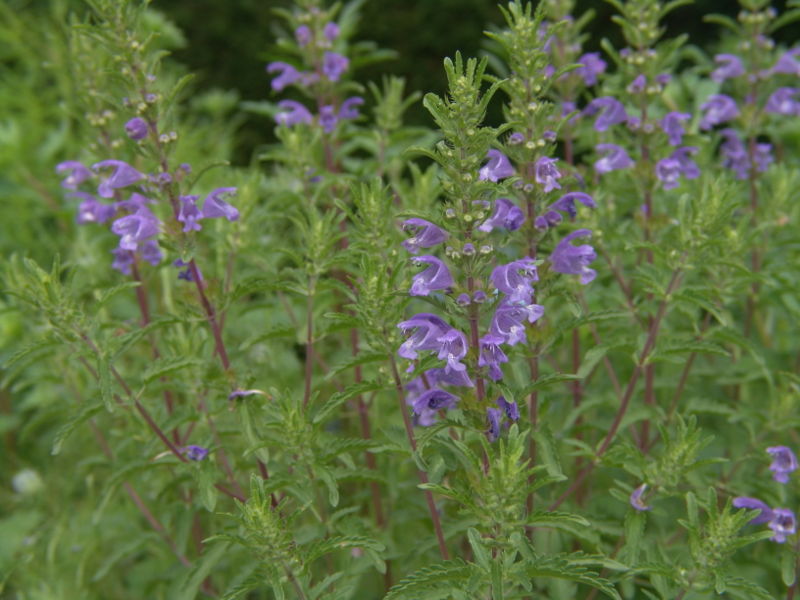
211,315
309,367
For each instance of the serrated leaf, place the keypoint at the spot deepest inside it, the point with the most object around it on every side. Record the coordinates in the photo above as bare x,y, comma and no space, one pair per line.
431,582
113,291
166,365
339,398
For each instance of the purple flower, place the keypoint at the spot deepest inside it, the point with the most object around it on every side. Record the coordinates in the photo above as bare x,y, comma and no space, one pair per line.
193,452
730,66
432,401
424,234
244,393
506,215
92,211
615,158
287,75
734,153
497,168
592,66
567,203
508,321
762,157
574,260
334,64
347,110
77,174
136,128
678,163
427,328
214,206
493,421
303,35
783,523
331,31
123,176
509,408
671,125
492,356
547,174
718,109
689,168
515,279
638,85
782,102
328,118
754,504
123,259
186,274
516,138
610,109
151,253
783,463
435,277
189,214
135,228
636,498
479,297
292,113
452,348
788,63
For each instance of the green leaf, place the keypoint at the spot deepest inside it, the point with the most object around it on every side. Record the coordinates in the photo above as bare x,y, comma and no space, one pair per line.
339,398
203,568
168,364
86,412
547,450
788,566
435,582
113,291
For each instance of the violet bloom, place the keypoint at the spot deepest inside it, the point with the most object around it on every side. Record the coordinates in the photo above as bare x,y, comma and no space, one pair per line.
77,173
592,66
292,113
197,453
782,102
783,523
334,65
508,322
734,153
287,75
214,206
123,176
492,356
424,234
136,128
235,394
186,274
453,347
547,174
427,328
331,31
347,110
150,252
730,66
509,408
435,277
328,118
611,112
498,167
567,203
615,158
189,214
574,260
432,401
506,215
689,168
136,228
123,260
754,504
669,169
636,498
783,463
788,63
493,421
762,157
718,109
638,85
90,210
671,124
515,279
303,35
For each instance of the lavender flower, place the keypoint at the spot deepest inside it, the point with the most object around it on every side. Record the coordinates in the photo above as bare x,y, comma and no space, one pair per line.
427,328
783,523
189,214
611,112
730,66
328,118
782,102
497,168
638,85
331,31
303,35
592,66
547,174
123,176
136,228
347,110
574,260
244,393
77,174
150,252
734,153
123,260
509,408
493,421
334,65
615,158
783,463
718,109
788,63
567,203
762,157
515,279
432,401
452,348
424,234
293,113
492,356
186,274
435,277
671,125
197,453
669,169
214,206
508,321
506,215
636,498
90,210
287,75
136,128
754,504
